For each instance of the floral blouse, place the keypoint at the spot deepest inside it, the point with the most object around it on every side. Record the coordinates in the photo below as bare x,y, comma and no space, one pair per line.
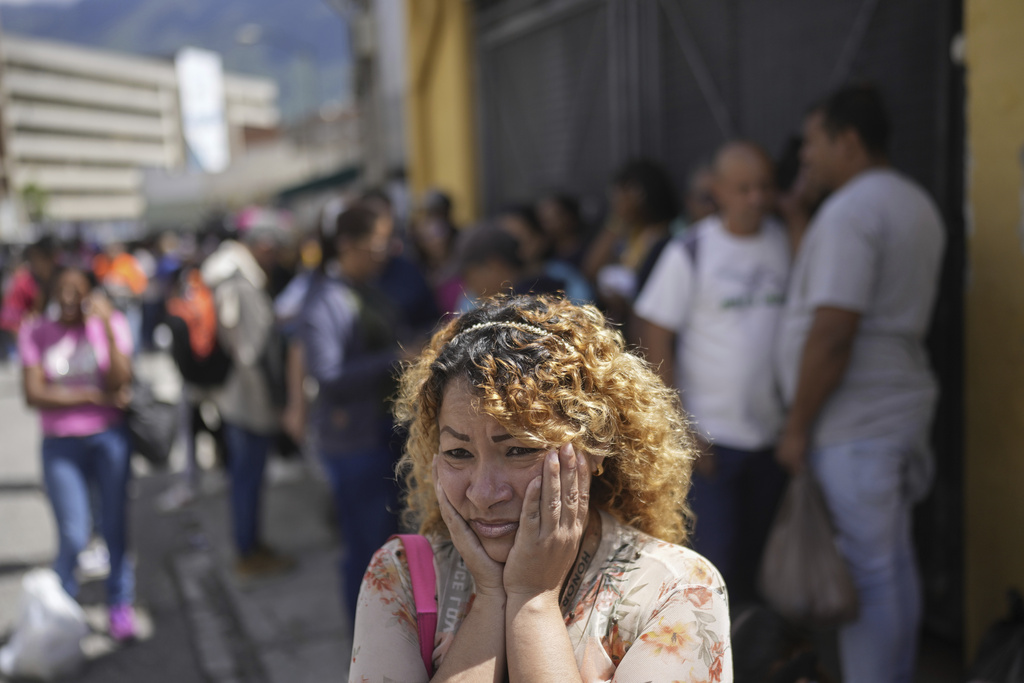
646,611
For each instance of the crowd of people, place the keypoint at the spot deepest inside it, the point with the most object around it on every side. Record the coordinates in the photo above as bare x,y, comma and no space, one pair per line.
785,303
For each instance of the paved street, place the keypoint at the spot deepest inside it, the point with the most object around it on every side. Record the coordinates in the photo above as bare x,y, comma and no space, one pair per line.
198,622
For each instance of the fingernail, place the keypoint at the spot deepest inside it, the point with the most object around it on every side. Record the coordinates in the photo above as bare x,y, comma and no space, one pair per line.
553,458
570,461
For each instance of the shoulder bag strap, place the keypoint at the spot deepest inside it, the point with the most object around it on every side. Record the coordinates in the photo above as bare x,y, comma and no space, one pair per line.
420,557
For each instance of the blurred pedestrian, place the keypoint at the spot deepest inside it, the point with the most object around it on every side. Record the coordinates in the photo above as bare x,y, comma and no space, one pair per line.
535,249
250,399
77,372
491,263
402,280
124,280
191,316
433,239
643,204
699,200
24,294
288,309
855,373
559,214
797,200
349,332
165,266
709,313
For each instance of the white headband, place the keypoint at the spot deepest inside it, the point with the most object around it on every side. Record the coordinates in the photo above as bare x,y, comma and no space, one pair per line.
522,327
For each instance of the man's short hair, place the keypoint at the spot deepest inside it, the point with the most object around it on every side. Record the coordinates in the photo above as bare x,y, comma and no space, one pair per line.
859,107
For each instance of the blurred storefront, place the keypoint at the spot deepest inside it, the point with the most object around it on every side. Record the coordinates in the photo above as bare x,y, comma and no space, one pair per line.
556,94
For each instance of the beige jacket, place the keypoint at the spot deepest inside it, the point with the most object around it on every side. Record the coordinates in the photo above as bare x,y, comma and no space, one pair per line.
245,320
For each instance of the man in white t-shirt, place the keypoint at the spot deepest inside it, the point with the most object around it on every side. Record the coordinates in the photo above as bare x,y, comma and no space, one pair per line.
709,314
854,372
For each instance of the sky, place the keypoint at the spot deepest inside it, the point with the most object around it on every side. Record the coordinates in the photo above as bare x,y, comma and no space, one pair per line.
305,46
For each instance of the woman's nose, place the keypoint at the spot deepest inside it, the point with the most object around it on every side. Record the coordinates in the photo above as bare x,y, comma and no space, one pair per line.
488,487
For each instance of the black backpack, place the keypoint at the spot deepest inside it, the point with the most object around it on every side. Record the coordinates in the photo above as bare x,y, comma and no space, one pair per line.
207,372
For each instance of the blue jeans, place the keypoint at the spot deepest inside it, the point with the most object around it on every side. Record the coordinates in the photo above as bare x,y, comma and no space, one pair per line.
365,496
247,458
867,490
735,508
70,465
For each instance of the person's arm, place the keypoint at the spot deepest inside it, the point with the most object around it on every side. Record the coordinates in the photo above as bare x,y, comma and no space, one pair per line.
293,419
358,376
119,374
660,346
477,653
19,300
555,514
602,250
662,309
42,395
664,306
385,643
823,363
340,376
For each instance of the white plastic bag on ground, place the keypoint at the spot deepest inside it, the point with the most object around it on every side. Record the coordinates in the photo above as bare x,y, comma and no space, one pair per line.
46,641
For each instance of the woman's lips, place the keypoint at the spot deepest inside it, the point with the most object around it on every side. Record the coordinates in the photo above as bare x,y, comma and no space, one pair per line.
493,529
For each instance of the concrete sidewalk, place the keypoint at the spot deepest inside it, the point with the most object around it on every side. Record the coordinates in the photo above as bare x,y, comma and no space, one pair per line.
198,621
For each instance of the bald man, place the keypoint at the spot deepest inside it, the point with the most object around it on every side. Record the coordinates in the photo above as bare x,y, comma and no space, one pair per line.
708,317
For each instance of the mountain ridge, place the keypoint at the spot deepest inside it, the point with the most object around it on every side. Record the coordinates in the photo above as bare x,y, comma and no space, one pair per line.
296,34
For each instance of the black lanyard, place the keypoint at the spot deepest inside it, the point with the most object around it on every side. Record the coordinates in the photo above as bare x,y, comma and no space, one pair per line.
585,556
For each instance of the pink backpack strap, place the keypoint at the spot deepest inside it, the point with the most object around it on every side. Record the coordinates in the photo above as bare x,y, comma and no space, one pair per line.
420,557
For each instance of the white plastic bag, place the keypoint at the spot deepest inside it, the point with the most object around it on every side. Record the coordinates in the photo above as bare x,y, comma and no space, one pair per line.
46,642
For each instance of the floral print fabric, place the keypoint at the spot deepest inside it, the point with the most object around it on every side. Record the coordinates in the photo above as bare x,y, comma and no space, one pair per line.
646,611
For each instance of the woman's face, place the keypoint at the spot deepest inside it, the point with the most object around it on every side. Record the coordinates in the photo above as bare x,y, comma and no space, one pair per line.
434,238
554,219
70,291
484,470
531,245
627,204
365,258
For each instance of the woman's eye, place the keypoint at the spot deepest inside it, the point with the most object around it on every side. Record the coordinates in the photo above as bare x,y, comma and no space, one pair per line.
522,450
458,454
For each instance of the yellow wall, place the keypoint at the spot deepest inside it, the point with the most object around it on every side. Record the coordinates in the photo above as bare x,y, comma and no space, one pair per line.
441,111
995,310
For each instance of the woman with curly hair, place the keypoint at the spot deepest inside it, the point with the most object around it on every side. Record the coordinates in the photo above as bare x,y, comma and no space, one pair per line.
548,467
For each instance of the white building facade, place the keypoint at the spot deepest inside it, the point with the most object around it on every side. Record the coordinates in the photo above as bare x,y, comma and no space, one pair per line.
79,125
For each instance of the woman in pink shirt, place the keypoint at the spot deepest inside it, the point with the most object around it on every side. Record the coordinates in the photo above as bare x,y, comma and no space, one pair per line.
77,372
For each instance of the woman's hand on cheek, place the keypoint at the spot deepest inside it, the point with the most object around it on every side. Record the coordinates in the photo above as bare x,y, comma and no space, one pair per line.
487,574
554,517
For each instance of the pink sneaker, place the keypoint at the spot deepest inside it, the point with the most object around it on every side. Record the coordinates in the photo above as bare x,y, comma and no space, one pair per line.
122,622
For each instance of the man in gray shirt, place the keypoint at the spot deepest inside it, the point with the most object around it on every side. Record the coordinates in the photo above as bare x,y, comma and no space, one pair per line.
854,371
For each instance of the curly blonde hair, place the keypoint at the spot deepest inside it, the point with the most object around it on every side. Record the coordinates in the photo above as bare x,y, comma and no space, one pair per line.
552,372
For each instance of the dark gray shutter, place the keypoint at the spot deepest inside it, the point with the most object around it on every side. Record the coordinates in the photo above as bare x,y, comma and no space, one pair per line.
570,89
